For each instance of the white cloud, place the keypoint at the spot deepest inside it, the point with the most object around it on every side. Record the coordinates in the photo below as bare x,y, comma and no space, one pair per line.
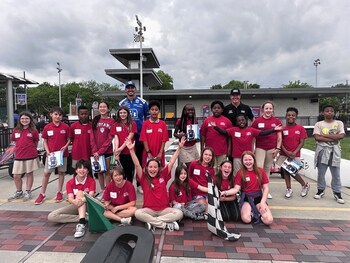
199,43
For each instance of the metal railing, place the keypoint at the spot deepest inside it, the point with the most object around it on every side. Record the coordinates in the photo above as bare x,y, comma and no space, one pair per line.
5,135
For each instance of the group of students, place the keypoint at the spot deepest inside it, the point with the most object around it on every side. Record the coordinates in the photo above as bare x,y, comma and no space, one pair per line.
240,170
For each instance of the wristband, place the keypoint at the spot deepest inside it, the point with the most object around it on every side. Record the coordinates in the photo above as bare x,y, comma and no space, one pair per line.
148,151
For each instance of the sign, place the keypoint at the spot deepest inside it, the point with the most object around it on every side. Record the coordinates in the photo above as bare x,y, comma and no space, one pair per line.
21,99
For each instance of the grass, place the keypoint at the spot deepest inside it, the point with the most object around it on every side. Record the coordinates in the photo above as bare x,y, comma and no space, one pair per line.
310,144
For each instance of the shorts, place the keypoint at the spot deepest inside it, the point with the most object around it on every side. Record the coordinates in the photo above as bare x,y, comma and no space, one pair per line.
257,200
62,168
25,166
188,154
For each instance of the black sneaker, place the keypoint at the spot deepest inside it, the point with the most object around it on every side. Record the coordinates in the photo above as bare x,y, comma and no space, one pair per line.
319,195
338,198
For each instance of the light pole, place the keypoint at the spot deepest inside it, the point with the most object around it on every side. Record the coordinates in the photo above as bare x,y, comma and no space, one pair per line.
139,31
59,84
245,84
316,63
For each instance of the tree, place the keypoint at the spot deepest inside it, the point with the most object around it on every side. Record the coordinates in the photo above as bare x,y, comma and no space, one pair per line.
216,86
236,84
297,84
167,81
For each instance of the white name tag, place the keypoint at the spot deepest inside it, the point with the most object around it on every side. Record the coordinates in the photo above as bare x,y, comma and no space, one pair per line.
113,194
75,191
17,135
149,131
77,131
247,179
285,132
237,134
261,125
196,172
50,133
119,129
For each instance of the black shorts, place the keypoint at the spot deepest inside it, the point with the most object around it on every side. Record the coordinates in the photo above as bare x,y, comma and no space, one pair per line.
257,200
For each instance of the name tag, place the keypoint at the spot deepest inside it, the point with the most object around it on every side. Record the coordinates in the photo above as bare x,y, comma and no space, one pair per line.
196,172
49,133
75,191
247,179
285,132
149,131
261,125
119,129
113,194
77,131
17,135
237,134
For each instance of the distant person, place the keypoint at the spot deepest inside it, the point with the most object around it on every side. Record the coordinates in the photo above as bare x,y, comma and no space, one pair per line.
138,108
80,136
75,212
15,117
56,137
26,137
154,135
253,183
235,108
210,137
328,134
293,136
189,152
267,147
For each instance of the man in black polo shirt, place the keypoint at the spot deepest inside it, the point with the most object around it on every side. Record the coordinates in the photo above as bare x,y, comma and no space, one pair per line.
235,108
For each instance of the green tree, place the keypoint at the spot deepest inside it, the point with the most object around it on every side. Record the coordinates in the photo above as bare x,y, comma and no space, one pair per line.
216,86
167,81
335,101
234,84
297,84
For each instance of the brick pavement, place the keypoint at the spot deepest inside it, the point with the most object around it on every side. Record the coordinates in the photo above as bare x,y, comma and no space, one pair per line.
307,240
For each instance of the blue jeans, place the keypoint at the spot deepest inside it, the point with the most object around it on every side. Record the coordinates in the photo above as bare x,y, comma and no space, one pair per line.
335,172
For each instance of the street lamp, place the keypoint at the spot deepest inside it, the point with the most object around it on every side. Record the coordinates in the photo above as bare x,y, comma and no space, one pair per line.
316,63
140,38
59,84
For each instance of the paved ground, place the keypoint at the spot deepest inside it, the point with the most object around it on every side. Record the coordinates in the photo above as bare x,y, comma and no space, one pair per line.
304,230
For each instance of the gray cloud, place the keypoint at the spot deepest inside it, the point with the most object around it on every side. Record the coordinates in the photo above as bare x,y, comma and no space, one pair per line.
199,43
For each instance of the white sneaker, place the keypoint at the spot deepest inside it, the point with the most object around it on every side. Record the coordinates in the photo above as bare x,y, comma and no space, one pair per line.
79,231
27,195
172,226
126,220
16,195
305,189
139,189
269,196
289,193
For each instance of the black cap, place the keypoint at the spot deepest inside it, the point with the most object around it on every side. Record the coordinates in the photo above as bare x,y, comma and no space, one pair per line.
235,92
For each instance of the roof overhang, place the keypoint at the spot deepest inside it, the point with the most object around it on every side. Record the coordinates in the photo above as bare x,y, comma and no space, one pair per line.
15,80
150,77
124,55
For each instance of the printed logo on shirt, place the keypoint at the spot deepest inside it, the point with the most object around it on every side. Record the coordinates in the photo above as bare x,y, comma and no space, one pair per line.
17,135
160,130
180,194
285,133
77,131
30,135
63,131
49,133
273,125
223,124
230,112
102,130
118,129
261,125
247,179
113,194
297,132
196,172
161,180
126,194
249,134
243,111
134,114
75,191
149,131
87,190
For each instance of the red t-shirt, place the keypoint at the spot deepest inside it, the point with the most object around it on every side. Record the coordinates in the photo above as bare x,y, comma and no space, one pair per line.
101,141
155,198
225,185
188,122
269,141
122,131
56,136
291,136
26,142
80,135
199,174
182,197
242,140
212,137
155,133
72,186
119,195
251,180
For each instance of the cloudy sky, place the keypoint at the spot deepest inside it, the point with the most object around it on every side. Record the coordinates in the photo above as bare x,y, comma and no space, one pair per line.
199,42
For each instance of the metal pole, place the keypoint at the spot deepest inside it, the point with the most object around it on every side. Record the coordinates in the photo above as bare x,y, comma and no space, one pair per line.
139,31
59,84
316,63
26,90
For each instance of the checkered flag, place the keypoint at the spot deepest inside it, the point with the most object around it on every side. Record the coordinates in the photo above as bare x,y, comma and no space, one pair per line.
215,222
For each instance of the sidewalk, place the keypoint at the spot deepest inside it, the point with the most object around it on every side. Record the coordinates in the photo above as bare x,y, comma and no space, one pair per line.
305,230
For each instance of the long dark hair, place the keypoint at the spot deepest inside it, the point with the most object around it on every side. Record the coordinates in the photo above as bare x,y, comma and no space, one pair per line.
148,177
178,183
184,118
128,117
255,168
219,176
97,118
211,163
